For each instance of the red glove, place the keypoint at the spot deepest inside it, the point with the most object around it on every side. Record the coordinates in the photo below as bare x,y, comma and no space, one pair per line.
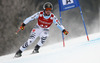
22,27
65,32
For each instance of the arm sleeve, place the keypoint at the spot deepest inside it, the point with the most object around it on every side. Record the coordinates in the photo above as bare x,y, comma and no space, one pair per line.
33,17
56,21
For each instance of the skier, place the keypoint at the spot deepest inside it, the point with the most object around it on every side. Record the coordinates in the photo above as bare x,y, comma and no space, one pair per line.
45,19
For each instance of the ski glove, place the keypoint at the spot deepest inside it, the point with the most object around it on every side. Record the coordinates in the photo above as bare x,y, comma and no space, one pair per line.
22,26
65,32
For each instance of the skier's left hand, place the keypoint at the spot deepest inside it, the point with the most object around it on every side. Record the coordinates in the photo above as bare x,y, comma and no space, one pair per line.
65,31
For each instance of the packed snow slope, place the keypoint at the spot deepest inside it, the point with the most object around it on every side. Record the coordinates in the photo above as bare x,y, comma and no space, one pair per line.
77,50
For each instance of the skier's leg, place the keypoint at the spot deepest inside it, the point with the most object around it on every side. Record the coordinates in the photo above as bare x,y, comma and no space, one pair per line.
31,39
43,37
34,34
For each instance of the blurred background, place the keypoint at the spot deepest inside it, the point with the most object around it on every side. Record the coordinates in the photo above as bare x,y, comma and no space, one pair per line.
14,12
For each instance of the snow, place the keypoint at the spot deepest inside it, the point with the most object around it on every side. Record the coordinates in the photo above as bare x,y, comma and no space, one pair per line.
77,50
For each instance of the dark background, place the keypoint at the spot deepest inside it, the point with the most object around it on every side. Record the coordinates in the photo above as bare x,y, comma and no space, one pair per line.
14,12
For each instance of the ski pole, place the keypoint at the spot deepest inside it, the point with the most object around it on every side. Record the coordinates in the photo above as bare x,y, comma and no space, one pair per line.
62,32
63,40
17,31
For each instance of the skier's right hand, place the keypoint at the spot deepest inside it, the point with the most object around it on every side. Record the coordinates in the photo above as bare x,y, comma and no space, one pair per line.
22,27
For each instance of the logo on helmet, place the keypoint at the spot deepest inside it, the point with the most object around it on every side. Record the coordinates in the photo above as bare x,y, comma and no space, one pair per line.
48,5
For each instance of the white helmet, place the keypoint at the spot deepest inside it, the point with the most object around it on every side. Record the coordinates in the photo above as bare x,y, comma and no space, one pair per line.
48,5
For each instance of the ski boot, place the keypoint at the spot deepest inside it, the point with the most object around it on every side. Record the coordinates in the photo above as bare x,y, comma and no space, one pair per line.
18,53
36,50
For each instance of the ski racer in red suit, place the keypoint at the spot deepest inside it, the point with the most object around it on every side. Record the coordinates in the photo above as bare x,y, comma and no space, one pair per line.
45,19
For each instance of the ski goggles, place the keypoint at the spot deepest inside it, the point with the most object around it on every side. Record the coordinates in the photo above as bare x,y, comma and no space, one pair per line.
48,9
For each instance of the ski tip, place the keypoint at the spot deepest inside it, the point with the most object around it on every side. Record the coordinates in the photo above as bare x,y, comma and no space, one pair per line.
15,57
